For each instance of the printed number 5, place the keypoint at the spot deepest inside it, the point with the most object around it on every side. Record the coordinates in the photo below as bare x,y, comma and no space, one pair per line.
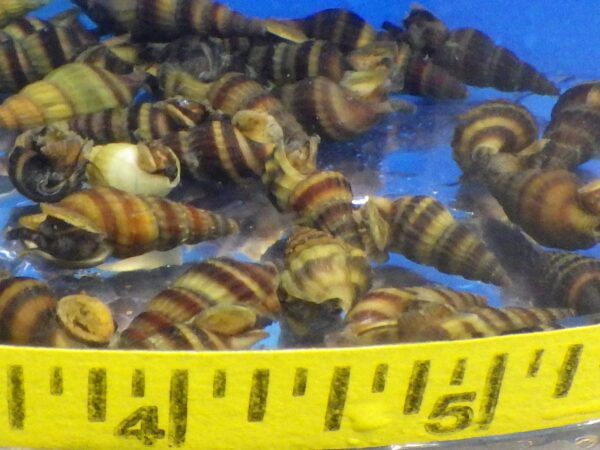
462,414
148,431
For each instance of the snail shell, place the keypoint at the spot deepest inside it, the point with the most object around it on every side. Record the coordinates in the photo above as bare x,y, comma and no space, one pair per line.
424,231
582,95
550,206
118,59
18,28
323,200
85,227
26,311
491,128
330,110
426,79
153,331
68,91
167,19
151,169
219,150
572,281
32,57
12,9
573,138
320,267
424,32
145,121
86,319
478,322
339,26
46,164
472,57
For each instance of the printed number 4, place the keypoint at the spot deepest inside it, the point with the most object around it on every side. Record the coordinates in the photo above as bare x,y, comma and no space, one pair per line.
462,415
148,431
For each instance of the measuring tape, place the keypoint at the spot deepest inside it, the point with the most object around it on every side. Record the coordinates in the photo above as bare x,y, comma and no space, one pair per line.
323,398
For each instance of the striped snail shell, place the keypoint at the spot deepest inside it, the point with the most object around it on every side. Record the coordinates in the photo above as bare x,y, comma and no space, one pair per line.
68,91
37,54
490,128
143,169
339,26
142,121
423,78
12,9
285,170
550,206
168,19
320,267
472,57
18,28
571,281
26,310
477,322
30,314
118,59
330,110
86,227
380,308
424,231
46,164
582,95
217,149
323,200
153,331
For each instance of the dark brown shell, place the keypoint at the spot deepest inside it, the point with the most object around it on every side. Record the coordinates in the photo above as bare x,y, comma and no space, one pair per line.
330,110
426,79
423,230
471,56
424,32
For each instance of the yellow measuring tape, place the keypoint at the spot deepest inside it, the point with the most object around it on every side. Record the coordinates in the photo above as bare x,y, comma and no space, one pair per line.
335,398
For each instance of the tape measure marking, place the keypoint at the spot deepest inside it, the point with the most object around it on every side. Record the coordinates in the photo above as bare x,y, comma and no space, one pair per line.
97,395
257,403
178,407
535,363
300,382
458,374
416,387
379,378
336,402
56,381
219,384
138,383
491,391
568,370
16,397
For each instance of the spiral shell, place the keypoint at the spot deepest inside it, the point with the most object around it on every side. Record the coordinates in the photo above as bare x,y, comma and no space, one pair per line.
87,226
151,169
46,164
168,19
491,128
145,121
424,231
153,331
426,79
471,56
330,110
324,201
572,281
12,9
116,58
285,170
550,206
17,29
219,150
234,92
477,322
380,308
339,26
68,91
30,314
320,267
424,32
32,57
582,95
